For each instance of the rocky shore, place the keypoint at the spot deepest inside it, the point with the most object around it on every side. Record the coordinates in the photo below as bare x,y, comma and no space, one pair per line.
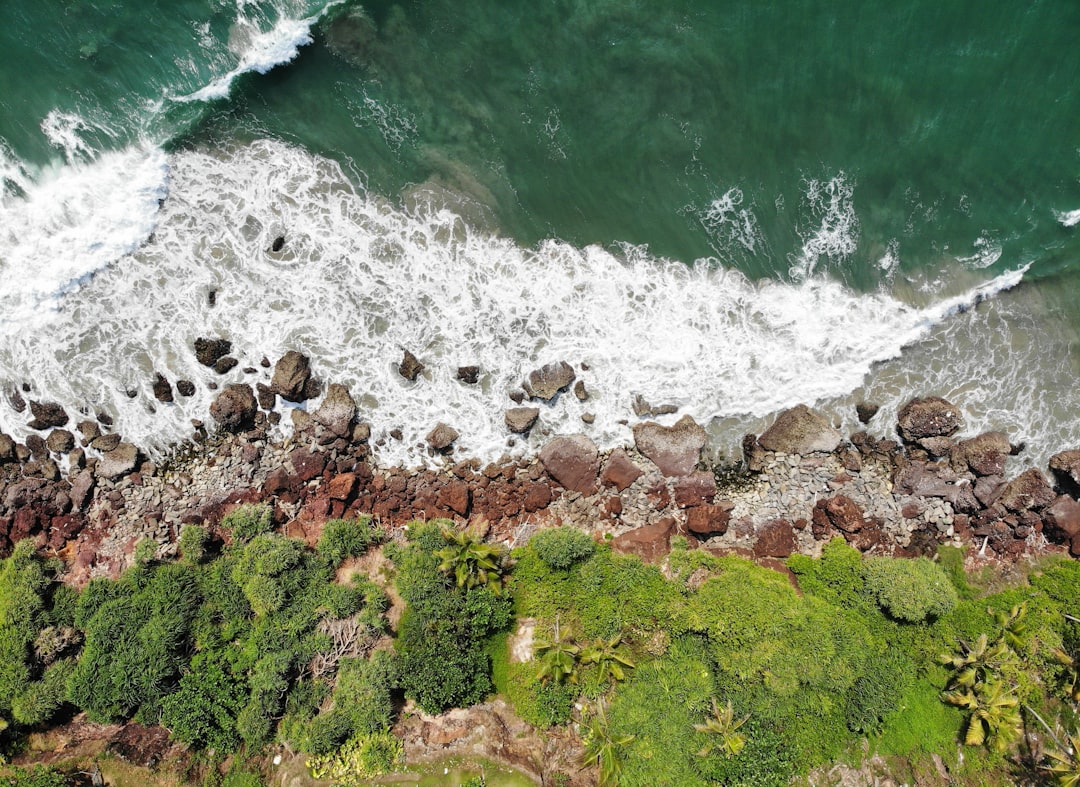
89,496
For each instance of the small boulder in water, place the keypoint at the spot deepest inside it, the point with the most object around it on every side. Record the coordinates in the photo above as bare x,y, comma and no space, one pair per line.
185,387
278,244
162,389
548,380
208,351
234,408
929,417
18,404
442,437
292,377
337,410
468,374
643,409
226,364
410,366
60,441
521,419
866,411
47,415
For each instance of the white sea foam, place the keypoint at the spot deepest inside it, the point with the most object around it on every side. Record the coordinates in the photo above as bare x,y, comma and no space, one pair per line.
987,252
1070,218
730,225
830,228
359,280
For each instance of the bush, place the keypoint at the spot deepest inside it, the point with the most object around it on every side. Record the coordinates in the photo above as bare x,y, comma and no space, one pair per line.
202,713
910,590
561,547
36,776
192,543
359,760
342,538
248,520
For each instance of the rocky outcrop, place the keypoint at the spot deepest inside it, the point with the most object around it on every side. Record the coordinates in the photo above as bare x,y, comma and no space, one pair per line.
1029,490
47,415
929,417
675,450
118,462
644,409
234,408
209,351
162,389
337,411
292,377
651,542
1066,469
520,420
545,382
800,430
410,366
982,455
620,471
573,461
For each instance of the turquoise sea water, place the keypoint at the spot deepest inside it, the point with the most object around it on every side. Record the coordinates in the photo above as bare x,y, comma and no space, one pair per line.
733,206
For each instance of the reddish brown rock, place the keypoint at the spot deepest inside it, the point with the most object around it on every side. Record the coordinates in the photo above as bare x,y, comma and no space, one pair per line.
60,441
82,487
929,417
695,489
537,496
839,512
209,351
307,464
651,542
292,375
341,487
937,446
573,461
983,455
1066,469
676,449
442,437
620,471
708,520
800,430
1028,490
1062,518
47,415
613,507
520,420
234,408
162,388
548,380
776,538
456,497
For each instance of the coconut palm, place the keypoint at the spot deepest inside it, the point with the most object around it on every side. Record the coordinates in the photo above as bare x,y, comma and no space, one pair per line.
722,724
610,663
995,713
471,562
602,748
559,657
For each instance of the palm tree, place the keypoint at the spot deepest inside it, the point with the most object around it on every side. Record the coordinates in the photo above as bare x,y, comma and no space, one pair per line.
995,713
1014,627
472,562
722,724
602,748
1064,767
558,657
610,664
975,663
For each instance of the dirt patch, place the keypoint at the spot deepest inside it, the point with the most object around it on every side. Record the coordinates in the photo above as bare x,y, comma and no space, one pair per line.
521,641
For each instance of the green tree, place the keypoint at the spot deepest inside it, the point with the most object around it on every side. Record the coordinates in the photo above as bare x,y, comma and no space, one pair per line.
725,727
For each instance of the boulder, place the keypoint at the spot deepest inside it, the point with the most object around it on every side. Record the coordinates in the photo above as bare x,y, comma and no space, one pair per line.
839,512
1028,490
18,404
7,448
708,520
929,417
651,543
987,489
800,430
442,437
548,380
537,496
105,442
921,480
936,446
267,398
753,453
209,351
82,487
410,367
292,373
983,455
580,392
644,409
620,471
162,388
573,461
226,364
89,430
468,374
775,538
866,411
337,411
47,415
37,446
1061,519
185,387
1066,469
695,489
676,449
520,420
456,497
234,408
118,462
60,441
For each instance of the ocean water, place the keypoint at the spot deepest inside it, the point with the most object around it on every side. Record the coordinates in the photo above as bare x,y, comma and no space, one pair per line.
729,207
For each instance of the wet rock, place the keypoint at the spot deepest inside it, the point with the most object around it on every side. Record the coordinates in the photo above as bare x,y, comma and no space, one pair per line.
209,351
983,455
1028,490
185,387
644,409
337,411
520,420
588,418
7,448
651,543
545,382
928,417
89,430
620,471
60,441
47,415
442,437
708,520
800,430
753,453
18,404
517,397
37,446
234,408
866,411
162,388
118,462
580,392
775,538
1066,469
226,364
267,399
695,489
937,446
410,366
573,461
675,450
278,244
292,373
468,374
105,442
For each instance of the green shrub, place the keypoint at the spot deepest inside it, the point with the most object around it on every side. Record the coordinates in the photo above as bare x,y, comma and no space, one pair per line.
541,703
342,538
40,700
561,547
203,711
192,543
910,590
837,576
360,759
35,776
248,520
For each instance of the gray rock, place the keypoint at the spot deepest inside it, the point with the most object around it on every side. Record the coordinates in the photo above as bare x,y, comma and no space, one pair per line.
644,409
105,442
545,382
442,436
676,449
118,462
800,430
520,420
292,373
337,410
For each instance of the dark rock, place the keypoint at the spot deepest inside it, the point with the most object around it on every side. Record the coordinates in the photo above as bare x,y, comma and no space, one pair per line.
573,461
410,366
674,449
775,538
839,512
37,446
118,462
278,244
936,446
234,408
105,442
265,362
643,409
47,415
929,417
307,465
537,496
468,374
104,418
580,392
82,487
211,300
517,397
89,430
291,375
520,420
753,453
800,430
267,399
18,404
695,489
987,489
545,382
22,453
7,448
866,411
1062,519
983,455
337,411
1028,490
619,471
442,437
185,387
707,520
226,364
588,418
397,434
651,543
60,441
209,351
1066,469
162,388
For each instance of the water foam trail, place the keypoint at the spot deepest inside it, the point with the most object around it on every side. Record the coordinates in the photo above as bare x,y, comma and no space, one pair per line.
831,228
1069,218
358,280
